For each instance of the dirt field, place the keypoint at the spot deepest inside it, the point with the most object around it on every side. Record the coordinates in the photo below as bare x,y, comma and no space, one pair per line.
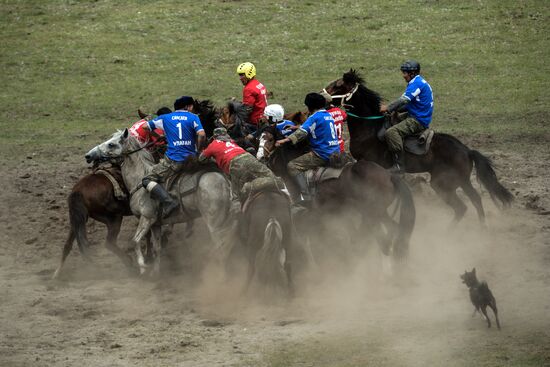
98,315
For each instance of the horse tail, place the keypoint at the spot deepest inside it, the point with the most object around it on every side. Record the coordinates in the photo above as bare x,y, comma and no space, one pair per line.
487,176
78,216
268,258
407,216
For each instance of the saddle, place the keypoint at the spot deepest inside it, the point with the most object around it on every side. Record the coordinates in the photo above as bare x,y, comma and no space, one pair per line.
114,175
418,144
315,176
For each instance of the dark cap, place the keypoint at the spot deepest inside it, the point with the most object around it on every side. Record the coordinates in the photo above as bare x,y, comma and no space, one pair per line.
315,101
183,102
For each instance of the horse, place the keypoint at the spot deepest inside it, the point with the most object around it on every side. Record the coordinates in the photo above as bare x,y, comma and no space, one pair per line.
93,196
266,232
363,186
210,199
448,160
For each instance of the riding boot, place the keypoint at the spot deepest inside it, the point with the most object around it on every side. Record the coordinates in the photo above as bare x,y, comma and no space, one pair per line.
301,180
163,197
398,166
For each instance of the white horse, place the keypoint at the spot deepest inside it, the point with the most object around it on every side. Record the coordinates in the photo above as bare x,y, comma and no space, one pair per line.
211,200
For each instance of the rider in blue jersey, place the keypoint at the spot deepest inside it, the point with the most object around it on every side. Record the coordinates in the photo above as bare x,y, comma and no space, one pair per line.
323,139
184,132
418,102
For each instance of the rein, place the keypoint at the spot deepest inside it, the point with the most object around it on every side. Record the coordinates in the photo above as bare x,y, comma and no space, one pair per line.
346,97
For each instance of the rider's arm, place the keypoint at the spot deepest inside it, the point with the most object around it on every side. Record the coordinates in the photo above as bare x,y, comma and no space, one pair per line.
297,136
398,104
201,140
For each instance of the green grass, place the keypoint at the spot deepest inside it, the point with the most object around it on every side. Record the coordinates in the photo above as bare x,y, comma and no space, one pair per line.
73,68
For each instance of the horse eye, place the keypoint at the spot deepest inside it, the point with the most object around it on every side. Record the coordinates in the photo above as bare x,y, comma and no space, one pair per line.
111,145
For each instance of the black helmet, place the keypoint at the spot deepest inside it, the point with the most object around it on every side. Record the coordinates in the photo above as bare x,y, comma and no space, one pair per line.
410,65
315,101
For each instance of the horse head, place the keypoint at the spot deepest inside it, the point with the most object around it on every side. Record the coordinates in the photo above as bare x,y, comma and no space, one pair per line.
354,95
110,149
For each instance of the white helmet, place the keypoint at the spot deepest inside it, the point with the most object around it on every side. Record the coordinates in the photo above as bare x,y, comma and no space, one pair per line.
275,111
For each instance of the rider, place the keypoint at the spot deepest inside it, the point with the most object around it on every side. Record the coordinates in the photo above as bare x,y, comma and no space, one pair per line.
320,130
254,93
340,116
145,136
418,102
245,171
274,114
184,132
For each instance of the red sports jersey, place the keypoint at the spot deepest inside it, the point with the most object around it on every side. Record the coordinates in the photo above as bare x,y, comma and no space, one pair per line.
339,116
255,95
144,136
223,152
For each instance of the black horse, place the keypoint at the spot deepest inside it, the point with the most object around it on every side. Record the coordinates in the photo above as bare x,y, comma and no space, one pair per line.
448,160
363,186
266,231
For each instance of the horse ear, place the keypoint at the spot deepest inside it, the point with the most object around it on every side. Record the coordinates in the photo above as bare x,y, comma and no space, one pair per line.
125,133
474,270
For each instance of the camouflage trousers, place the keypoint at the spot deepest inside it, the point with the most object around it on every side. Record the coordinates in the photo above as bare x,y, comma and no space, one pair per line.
165,168
395,134
305,162
245,168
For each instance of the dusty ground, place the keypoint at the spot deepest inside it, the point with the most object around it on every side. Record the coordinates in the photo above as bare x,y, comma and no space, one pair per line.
98,315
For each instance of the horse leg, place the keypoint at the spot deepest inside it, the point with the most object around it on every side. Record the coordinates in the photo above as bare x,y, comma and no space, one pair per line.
144,227
113,229
156,237
475,199
66,250
447,191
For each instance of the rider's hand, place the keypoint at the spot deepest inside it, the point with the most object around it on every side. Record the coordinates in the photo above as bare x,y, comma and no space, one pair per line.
383,108
278,143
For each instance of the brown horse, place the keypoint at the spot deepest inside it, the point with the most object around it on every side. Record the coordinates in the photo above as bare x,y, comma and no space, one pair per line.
449,161
362,186
93,196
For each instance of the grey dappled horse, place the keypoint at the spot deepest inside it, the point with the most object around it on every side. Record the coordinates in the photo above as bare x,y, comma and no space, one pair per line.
211,200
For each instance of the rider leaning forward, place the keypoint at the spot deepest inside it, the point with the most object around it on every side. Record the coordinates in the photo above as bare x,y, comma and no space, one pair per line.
418,102
183,130
321,133
247,174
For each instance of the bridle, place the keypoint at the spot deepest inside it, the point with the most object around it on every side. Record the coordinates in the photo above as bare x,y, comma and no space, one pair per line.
344,97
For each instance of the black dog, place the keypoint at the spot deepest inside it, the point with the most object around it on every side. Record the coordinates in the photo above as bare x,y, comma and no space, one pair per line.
480,295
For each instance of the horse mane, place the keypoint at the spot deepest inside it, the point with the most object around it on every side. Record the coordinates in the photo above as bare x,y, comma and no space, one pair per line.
372,98
238,109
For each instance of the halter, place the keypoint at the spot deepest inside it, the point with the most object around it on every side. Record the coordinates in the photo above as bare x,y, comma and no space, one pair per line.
346,97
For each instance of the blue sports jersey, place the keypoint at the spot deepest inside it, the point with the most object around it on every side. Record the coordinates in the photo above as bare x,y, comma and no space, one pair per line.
322,134
181,128
421,104
281,127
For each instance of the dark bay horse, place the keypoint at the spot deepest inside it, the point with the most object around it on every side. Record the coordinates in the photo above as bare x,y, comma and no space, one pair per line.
448,160
362,186
266,232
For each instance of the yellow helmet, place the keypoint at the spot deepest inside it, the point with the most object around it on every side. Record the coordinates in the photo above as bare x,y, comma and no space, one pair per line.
248,69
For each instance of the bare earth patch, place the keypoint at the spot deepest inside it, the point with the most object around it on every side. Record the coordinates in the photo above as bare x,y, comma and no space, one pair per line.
99,315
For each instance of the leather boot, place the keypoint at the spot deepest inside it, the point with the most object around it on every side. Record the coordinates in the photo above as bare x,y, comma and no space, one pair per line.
168,204
398,166
301,181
